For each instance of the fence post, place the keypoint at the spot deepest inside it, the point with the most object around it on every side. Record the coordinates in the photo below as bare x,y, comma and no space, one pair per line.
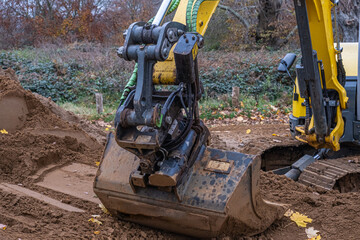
99,103
235,96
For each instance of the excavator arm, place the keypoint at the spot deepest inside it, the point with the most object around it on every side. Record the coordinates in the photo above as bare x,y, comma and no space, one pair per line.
157,169
319,93
196,16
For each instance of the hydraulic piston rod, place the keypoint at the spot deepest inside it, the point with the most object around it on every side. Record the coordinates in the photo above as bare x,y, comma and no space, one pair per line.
160,15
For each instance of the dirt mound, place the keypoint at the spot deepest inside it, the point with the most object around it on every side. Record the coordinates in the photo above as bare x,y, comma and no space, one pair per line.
39,132
334,214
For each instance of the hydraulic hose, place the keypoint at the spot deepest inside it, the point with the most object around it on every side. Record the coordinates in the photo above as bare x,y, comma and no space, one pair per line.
194,14
189,13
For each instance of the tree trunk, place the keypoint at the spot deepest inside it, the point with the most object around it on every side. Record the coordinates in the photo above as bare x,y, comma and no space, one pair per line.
268,13
348,19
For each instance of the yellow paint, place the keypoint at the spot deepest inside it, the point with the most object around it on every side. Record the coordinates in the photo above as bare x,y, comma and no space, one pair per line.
165,72
321,30
298,109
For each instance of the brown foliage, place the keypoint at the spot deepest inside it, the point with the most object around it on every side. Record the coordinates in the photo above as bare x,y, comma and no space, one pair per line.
28,22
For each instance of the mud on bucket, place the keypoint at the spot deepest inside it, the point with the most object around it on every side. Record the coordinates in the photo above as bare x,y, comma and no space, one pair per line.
219,194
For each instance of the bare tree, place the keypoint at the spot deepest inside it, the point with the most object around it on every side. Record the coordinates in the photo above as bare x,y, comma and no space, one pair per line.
348,18
268,14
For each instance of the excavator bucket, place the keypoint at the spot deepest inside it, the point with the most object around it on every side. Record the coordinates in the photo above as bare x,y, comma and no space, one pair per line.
218,194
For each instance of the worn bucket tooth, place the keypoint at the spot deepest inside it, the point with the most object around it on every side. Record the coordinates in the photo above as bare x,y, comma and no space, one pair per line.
219,194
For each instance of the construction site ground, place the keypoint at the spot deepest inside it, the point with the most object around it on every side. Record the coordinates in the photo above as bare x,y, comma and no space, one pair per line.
48,162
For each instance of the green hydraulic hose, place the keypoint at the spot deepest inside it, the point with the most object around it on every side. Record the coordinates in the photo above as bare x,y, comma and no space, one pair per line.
194,14
132,81
189,13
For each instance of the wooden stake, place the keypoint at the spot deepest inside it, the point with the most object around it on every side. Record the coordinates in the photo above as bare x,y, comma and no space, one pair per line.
99,103
235,96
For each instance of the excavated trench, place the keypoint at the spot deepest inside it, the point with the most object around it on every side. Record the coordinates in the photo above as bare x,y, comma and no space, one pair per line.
341,169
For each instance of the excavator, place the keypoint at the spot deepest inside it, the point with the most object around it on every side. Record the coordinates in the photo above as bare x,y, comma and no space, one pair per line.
156,168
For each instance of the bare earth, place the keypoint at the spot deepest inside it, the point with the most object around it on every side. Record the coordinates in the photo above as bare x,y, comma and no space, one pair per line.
47,165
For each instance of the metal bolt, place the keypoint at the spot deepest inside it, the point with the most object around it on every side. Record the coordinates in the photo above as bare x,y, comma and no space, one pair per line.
180,32
168,120
165,51
170,33
120,51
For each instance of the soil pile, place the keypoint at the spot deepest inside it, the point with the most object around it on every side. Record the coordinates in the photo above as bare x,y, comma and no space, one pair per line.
38,133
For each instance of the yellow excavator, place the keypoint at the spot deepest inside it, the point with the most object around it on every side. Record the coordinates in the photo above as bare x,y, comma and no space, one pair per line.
156,168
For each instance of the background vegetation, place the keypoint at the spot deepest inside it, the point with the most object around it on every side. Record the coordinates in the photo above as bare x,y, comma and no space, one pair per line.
66,50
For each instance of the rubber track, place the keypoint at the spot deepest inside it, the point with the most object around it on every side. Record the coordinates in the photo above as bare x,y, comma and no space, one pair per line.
325,173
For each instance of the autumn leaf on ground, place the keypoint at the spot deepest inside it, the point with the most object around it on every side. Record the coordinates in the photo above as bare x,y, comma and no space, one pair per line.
275,135
312,234
248,131
318,237
97,232
97,163
95,221
103,208
300,219
3,227
288,213
4,131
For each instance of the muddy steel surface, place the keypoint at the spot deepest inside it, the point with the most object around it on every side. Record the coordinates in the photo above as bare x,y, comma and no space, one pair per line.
47,165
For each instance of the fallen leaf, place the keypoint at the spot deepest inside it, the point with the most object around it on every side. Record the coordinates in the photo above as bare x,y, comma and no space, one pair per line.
242,104
4,131
248,131
3,227
311,232
106,129
273,108
95,221
288,213
240,119
109,126
97,163
318,237
97,232
275,135
103,208
300,219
